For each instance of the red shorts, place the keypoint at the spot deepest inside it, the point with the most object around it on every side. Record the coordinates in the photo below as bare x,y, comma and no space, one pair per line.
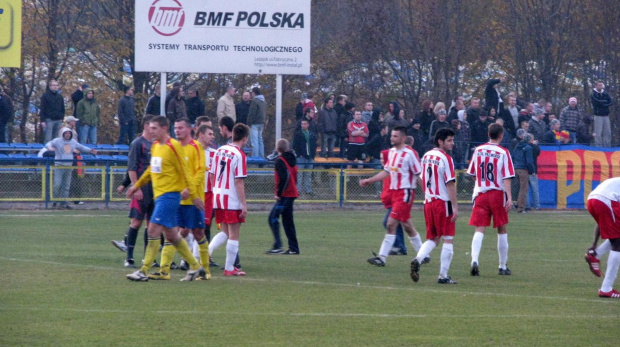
487,204
608,220
402,201
438,215
228,216
208,207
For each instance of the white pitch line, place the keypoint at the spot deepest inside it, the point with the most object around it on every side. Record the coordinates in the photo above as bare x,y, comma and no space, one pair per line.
347,285
56,215
316,314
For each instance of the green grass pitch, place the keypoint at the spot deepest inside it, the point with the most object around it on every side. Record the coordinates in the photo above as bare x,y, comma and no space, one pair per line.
62,283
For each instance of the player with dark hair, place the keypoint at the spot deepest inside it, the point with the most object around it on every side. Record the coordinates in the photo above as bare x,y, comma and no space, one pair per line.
492,168
403,167
169,173
604,206
229,170
440,205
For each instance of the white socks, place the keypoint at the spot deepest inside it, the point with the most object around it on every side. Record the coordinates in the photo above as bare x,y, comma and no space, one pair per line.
476,244
386,246
502,249
446,258
602,249
416,242
232,248
217,241
613,263
425,250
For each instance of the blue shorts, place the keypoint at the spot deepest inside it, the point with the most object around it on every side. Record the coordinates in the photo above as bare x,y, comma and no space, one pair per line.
167,210
191,217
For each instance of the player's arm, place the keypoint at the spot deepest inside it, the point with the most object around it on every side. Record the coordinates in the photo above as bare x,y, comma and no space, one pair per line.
451,187
144,179
597,234
508,190
182,168
376,178
198,179
240,188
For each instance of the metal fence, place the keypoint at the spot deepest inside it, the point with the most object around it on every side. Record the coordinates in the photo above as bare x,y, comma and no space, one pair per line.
31,179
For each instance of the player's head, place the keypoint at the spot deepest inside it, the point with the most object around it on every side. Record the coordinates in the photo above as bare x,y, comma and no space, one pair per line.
444,139
205,135
398,136
241,132
496,131
146,120
226,125
158,127
182,128
203,120
282,146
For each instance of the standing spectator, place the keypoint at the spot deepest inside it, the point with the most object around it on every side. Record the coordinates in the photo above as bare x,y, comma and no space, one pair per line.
226,105
343,121
309,116
439,123
570,118
533,196
304,144
479,129
6,115
358,135
458,150
507,136
367,113
584,131
89,115
600,106
527,113
426,117
549,112
285,195
176,107
492,96
328,126
454,111
340,105
64,147
77,96
299,108
375,145
256,121
419,137
398,121
492,168
194,105
604,206
510,114
552,137
393,111
453,104
126,117
308,102
242,108
153,104
374,124
474,111
524,167
51,110
538,128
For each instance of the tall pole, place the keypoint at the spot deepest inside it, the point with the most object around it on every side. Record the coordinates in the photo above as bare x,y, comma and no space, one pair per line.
162,92
278,107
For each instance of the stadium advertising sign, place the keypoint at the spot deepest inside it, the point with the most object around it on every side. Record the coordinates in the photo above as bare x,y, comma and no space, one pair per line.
10,33
219,36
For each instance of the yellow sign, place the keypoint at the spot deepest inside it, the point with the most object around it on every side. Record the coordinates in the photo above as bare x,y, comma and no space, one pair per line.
10,33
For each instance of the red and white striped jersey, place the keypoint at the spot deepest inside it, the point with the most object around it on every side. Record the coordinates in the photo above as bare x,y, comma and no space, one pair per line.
491,164
229,163
404,167
437,171
609,189
209,154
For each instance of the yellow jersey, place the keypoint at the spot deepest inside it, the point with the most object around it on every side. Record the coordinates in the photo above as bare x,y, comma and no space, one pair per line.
194,155
168,170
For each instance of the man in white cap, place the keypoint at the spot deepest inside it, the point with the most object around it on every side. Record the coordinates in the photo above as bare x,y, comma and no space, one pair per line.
71,123
570,117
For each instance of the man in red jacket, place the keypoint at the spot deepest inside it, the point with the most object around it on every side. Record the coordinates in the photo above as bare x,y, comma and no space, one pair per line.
285,194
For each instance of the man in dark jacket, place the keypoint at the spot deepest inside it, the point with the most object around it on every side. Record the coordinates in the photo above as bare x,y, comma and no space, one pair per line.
126,117
304,144
600,106
328,127
6,114
153,104
492,97
242,108
538,128
523,162
480,130
194,106
77,96
584,132
474,111
51,110
285,195
256,121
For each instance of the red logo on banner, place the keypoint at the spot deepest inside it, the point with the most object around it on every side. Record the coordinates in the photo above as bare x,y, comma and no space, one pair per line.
166,17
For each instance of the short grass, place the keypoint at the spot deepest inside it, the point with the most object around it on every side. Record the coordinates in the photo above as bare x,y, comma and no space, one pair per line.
63,284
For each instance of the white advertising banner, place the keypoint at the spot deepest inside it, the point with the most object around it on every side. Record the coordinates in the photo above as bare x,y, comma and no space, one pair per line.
223,36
